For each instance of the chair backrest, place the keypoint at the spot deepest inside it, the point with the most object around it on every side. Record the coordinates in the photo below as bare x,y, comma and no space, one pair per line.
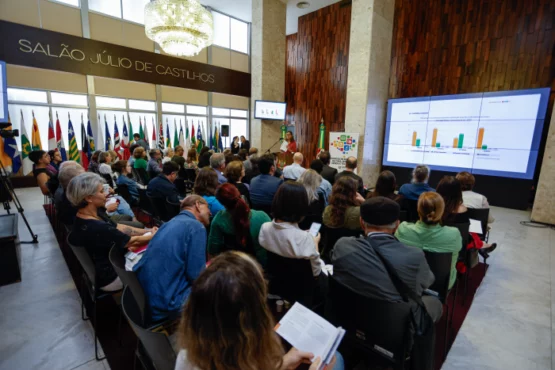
411,206
291,278
180,186
123,190
266,208
440,264
109,179
330,236
156,344
159,206
190,174
141,174
403,215
172,208
372,325
482,215
85,261
465,235
144,202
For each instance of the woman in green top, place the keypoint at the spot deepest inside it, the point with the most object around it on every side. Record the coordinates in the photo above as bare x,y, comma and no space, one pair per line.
343,210
428,234
140,162
237,227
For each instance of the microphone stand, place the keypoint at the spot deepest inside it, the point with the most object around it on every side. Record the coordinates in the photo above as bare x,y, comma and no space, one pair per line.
278,141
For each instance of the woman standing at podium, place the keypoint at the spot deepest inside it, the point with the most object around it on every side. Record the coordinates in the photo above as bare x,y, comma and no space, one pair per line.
289,145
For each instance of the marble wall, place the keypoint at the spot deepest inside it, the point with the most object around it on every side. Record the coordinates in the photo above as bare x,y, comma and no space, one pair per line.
267,66
544,204
368,80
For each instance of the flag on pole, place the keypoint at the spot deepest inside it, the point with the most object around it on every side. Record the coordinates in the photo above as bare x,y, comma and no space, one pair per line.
199,138
130,131
51,135
73,151
187,135
181,136
175,137
108,145
85,146
153,132
161,136
147,137
193,140
35,138
220,144
12,158
25,148
168,138
60,139
321,138
117,144
210,140
216,134
141,132
90,136
125,145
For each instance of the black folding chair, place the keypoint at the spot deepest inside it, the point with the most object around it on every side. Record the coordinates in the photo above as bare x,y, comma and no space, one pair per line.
330,236
190,178
158,204
109,179
411,207
172,208
465,255
141,175
123,191
482,215
372,327
263,207
144,203
89,283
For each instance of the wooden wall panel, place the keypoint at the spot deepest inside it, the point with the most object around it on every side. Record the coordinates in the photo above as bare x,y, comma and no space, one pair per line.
316,74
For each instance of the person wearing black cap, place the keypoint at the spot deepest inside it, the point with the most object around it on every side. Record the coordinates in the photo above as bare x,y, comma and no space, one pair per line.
357,265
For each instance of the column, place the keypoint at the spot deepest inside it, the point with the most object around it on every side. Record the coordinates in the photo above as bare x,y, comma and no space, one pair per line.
368,81
267,67
544,204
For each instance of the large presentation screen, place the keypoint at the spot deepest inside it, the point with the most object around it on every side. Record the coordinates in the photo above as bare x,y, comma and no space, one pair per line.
496,134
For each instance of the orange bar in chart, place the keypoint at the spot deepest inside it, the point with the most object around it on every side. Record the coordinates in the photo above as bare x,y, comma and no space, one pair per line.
480,138
434,137
455,143
414,134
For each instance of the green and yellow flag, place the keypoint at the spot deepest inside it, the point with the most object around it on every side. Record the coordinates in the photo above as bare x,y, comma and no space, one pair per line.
25,148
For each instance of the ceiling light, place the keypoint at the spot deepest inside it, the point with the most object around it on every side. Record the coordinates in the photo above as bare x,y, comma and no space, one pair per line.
303,5
180,27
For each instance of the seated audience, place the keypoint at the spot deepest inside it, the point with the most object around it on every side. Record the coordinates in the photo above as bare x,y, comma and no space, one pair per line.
115,156
124,169
46,180
234,173
227,324
140,158
472,199
311,182
174,258
358,266
227,152
162,185
228,159
350,167
98,234
418,185
253,153
178,156
55,161
217,162
328,172
238,222
204,157
385,187
105,164
428,233
153,167
325,186
252,171
131,159
168,155
191,162
65,211
343,210
265,185
206,184
93,163
243,155
283,236
294,170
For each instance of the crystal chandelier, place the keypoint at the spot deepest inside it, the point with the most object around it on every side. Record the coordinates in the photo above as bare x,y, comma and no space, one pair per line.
180,27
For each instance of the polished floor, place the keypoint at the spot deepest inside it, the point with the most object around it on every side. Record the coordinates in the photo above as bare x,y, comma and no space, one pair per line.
510,324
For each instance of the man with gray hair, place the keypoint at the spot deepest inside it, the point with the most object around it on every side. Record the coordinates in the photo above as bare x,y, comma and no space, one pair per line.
419,183
217,162
294,170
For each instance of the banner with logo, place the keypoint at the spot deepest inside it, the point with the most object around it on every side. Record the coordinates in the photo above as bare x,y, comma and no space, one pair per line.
342,145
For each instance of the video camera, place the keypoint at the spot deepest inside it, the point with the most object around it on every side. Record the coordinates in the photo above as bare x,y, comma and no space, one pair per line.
6,134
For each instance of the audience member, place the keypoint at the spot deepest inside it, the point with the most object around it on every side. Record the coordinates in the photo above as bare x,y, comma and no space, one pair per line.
162,186
178,156
350,167
140,162
289,145
252,171
141,142
204,157
311,182
245,144
234,172
328,172
132,148
55,161
358,265
105,163
227,151
153,166
236,222
253,153
217,162
168,155
124,169
294,170
115,156
265,185
325,186
206,184
343,210
418,185
65,211
46,180
243,155
385,187
472,199
227,324
98,234
174,259
93,163
228,159
428,234
191,162
283,236
235,145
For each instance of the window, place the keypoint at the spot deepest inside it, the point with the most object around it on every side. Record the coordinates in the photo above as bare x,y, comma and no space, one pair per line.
68,2
142,105
109,7
230,33
220,112
225,120
31,96
69,99
195,109
105,102
134,10
191,116
173,108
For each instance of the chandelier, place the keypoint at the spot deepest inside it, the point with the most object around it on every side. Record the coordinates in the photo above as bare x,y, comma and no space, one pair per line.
180,27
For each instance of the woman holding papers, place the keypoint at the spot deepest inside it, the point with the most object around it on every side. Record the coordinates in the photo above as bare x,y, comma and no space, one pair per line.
227,325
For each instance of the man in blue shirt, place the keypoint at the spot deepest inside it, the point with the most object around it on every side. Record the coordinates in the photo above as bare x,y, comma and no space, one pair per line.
154,168
418,185
294,170
175,257
162,186
217,162
265,185
325,186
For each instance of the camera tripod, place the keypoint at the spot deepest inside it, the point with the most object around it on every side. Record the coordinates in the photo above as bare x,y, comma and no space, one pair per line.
7,195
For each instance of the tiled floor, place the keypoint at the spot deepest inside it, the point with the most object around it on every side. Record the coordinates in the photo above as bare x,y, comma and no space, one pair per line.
40,318
508,327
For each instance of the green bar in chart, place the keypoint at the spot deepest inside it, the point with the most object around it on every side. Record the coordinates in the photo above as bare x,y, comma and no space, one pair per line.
417,142
438,145
484,147
461,138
